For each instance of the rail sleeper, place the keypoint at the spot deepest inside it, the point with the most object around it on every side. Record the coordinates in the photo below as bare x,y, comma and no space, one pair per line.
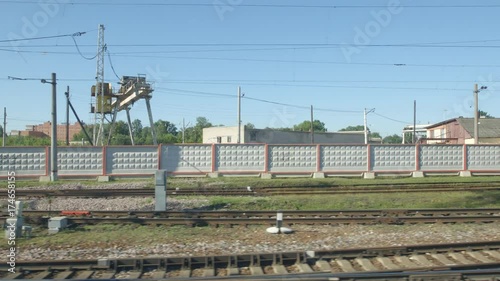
494,254
387,263
460,258
366,264
443,259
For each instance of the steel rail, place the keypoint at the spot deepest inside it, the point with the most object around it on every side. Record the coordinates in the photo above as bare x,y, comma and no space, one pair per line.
236,192
438,261
271,214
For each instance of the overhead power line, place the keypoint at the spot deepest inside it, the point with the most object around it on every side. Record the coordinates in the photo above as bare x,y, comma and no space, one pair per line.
45,37
153,4
111,64
388,118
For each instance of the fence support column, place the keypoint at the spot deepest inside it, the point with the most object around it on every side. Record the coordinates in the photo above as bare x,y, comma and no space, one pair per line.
369,174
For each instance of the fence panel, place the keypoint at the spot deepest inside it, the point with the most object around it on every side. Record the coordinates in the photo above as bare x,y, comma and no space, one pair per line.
79,160
131,160
292,158
24,161
441,157
483,157
241,157
343,158
187,158
392,158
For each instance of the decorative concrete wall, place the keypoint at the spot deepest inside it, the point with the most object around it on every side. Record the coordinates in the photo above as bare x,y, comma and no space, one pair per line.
196,159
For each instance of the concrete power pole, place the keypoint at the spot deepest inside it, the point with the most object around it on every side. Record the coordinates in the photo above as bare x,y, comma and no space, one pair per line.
365,123
476,113
53,140
414,121
239,115
4,125
67,116
312,124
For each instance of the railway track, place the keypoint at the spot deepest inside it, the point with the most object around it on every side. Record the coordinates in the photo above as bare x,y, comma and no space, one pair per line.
462,261
244,191
232,218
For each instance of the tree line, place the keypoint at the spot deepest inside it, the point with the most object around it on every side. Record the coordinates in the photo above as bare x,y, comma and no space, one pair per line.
168,132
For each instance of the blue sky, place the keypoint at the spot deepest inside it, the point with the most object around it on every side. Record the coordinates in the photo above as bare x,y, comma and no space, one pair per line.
339,59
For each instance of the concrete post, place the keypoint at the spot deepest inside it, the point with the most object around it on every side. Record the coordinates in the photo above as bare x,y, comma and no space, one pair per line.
161,190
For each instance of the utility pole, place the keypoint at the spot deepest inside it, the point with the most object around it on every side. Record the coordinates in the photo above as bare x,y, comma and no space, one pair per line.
414,121
312,124
67,115
476,113
4,125
239,115
53,140
183,130
365,123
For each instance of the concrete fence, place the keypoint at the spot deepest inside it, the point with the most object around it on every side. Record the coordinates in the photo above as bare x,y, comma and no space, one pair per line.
253,159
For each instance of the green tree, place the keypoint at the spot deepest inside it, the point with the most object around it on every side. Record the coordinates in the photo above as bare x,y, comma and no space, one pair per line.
136,128
353,128
394,139
81,135
359,128
165,127
250,126
485,114
195,134
306,126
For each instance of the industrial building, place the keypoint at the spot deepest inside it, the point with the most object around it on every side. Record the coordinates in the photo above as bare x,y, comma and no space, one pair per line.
44,131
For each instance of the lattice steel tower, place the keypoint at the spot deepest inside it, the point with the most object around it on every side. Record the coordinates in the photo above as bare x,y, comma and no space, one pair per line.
101,93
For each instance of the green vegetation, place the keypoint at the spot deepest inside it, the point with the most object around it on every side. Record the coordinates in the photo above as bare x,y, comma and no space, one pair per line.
486,199
235,182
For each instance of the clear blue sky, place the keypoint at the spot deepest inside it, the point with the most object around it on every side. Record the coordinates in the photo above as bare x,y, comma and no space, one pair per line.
337,59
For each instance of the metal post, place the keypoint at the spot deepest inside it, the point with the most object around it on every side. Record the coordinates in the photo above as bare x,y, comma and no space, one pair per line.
67,116
312,124
4,125
53,140
366,131
476,113
366,125
130,126
239,115
153,131
161,190
414,121
279,219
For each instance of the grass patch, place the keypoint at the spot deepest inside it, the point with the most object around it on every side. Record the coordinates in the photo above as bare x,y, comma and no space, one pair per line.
235,182
231,182
479,199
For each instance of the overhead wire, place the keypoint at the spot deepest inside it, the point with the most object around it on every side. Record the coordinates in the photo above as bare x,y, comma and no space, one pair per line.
78,48
332,6
111,64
